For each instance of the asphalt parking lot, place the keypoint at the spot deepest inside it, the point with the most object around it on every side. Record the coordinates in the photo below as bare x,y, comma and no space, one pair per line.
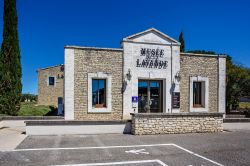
227,148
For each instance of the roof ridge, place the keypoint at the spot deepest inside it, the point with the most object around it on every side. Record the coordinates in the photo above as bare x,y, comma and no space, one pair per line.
50,67
148,30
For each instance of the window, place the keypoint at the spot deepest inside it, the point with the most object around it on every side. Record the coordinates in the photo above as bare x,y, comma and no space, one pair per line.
198,94
99,93
52,81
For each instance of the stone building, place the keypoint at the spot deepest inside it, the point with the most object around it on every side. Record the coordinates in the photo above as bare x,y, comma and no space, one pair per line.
51,85
148,74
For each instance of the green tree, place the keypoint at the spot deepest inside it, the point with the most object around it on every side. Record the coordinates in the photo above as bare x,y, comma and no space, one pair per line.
237,78
182,41
28,98
10,65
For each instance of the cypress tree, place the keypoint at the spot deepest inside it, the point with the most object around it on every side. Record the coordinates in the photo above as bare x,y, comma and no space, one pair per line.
181,40
10,65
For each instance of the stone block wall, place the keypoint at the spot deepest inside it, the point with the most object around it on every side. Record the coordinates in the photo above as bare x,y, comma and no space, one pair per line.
95,60
47,94
199,65
177,123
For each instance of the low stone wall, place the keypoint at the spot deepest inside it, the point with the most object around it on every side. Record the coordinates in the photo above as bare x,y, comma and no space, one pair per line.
176,123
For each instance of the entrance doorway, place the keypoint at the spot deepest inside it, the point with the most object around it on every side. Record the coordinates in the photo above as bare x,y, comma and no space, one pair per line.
150,96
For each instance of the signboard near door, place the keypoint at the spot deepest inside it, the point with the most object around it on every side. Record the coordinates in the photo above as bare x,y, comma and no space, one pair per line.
134,101
176,99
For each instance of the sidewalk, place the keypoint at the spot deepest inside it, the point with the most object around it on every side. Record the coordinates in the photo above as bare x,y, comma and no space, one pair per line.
12,136
236,126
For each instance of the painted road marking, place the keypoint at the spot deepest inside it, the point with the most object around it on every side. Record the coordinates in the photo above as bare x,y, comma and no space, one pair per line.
139,151
119,163
186,150
109,147
85,148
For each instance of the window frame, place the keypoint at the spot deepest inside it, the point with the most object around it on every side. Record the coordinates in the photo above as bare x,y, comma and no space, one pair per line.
204,94
53,82
199,87
108,78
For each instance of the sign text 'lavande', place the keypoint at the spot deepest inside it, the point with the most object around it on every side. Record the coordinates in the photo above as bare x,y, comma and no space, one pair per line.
152,58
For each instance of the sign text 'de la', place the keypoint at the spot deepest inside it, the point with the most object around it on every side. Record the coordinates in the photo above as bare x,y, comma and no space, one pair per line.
152,58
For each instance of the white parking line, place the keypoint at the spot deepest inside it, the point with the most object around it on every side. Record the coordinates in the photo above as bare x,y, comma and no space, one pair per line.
85,148
119,163
188,151
109,147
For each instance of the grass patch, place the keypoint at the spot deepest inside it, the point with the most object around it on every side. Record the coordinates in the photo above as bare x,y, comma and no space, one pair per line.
244,105
32,109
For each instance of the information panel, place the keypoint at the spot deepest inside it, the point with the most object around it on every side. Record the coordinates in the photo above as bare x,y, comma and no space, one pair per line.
176,99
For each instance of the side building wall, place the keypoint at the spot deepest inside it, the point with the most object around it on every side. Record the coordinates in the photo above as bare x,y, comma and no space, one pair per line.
48,94
94,63
206,66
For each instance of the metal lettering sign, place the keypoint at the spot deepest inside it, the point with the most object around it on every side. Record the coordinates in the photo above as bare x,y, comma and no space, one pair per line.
152,58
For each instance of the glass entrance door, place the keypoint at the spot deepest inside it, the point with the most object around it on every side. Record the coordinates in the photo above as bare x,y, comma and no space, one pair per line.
149,96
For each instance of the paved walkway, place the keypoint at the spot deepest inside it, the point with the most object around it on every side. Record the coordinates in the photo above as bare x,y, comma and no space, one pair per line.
227,148
12,135
236,126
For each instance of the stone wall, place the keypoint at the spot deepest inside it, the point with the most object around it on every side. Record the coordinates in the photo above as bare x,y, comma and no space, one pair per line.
176,123
199,65
95,60
47,94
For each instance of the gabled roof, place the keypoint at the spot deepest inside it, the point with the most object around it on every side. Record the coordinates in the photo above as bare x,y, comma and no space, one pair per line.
151,30
49,67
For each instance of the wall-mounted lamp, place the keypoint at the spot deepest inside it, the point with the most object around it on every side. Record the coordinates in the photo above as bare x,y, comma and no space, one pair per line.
124,86
177,76
181,60
129,76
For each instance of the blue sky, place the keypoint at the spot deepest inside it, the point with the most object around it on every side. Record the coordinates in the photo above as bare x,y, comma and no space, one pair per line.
46,26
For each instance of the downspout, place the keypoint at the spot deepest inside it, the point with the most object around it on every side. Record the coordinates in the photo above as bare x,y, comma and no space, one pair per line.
123,79
218,83
171,77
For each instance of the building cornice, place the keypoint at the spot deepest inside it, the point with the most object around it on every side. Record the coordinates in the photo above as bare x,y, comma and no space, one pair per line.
152,43
203,55
153,30
92,48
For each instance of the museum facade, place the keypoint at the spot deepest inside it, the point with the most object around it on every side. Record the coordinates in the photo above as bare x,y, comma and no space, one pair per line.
148,74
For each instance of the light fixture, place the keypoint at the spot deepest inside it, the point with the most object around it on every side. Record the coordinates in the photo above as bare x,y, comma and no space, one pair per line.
124,86
181,60
129,76
177,76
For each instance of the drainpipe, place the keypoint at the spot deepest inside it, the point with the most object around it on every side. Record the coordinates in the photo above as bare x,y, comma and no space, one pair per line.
171,77
218,83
